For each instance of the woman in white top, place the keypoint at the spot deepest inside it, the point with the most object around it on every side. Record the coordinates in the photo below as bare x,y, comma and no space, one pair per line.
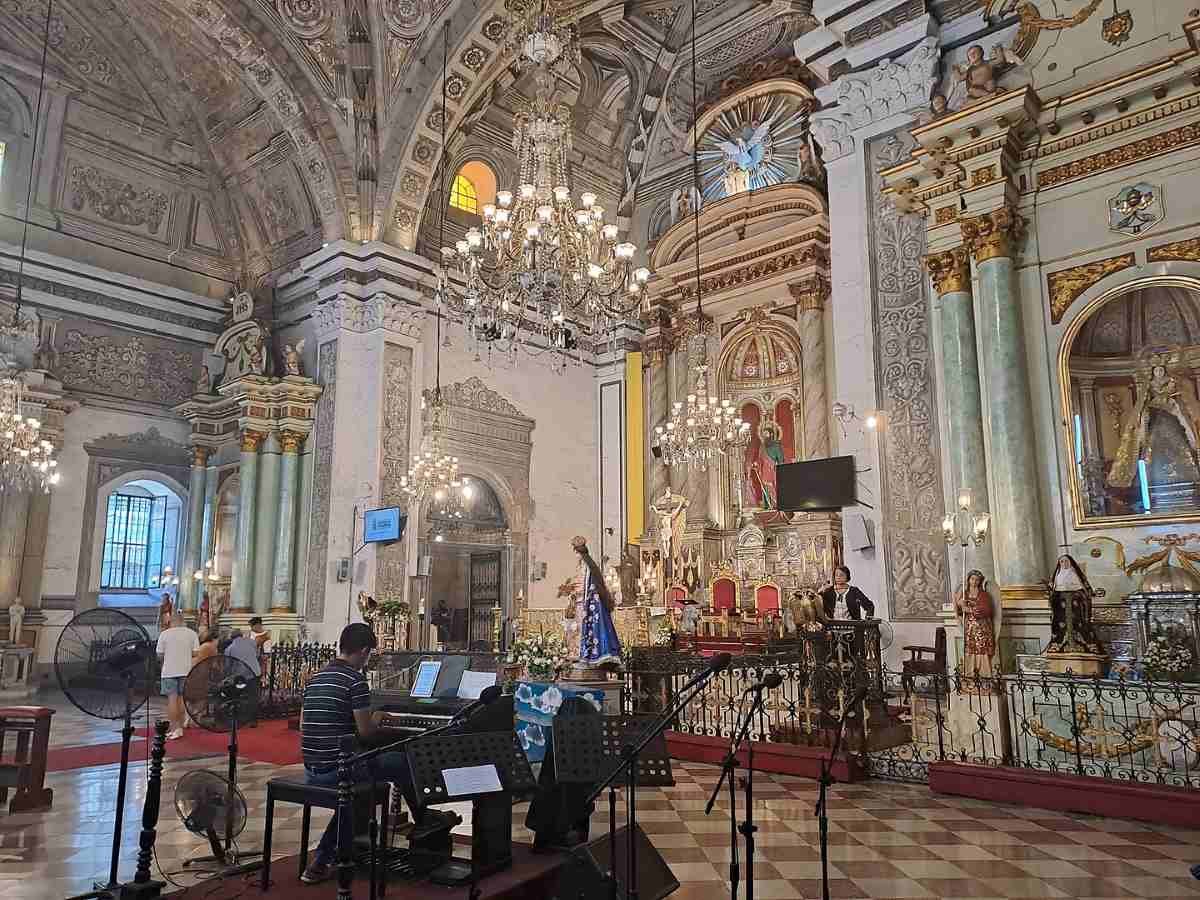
176,646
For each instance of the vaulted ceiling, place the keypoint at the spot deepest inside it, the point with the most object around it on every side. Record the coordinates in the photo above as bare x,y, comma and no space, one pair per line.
294,122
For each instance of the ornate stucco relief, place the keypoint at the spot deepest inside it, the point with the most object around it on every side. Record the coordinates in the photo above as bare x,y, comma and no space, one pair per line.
891,87
1066,285
474,394
391,559
318,537
381,311
134,367
904,373
116,200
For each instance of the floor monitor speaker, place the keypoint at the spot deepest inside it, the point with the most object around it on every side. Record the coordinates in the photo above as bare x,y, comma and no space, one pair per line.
582,876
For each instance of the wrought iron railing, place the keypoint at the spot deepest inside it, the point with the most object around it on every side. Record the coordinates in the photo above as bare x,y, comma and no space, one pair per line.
1130,731
286,671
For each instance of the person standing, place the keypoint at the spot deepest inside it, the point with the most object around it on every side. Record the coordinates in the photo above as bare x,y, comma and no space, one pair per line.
244,649
844,601
261,636
176,645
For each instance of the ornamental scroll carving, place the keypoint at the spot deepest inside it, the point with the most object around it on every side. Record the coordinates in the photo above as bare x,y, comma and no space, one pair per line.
381,311
115,200
1066,286
126,367
474,394
891,87
911,473
391,559
318,539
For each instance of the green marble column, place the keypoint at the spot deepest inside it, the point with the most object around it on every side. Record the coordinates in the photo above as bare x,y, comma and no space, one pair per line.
266,526
210,516
289,470
242,581
963,421
303,521
189,588
1017,534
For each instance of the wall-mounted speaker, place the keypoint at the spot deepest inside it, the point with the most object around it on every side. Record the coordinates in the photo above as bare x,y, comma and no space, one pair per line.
424,565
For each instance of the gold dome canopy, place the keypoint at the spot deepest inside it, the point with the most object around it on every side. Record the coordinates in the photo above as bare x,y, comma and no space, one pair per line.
1168,579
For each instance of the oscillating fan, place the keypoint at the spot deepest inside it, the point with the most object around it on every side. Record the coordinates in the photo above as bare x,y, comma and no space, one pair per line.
887,634
104,663
221,694
212,807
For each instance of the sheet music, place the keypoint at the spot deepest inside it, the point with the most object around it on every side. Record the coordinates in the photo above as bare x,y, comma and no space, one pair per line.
473,683
470,780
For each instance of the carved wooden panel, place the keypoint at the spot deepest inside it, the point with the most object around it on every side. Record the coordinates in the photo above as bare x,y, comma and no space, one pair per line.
904,379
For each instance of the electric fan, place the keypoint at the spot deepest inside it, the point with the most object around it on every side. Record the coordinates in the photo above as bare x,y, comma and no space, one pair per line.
886,634
104,663
210,806
221,694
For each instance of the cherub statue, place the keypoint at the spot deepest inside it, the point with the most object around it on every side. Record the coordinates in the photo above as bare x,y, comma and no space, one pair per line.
291,358
978,80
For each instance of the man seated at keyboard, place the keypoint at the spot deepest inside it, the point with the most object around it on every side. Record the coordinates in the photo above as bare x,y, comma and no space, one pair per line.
337,705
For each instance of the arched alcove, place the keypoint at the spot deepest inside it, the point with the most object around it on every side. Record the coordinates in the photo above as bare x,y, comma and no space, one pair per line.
137,538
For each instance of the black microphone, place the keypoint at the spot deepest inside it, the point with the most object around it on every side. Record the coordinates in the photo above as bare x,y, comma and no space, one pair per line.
488,695
769,682
718,663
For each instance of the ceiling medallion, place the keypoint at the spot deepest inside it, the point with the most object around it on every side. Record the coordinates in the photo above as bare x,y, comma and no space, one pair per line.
1135,209
540,268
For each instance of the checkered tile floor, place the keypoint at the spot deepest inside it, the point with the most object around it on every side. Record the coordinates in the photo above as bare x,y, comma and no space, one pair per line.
886,840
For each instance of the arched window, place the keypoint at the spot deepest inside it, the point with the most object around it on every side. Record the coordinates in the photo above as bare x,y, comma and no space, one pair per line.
463,195
141,536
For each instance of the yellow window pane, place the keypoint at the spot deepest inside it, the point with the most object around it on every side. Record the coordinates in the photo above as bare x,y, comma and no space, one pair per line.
463,196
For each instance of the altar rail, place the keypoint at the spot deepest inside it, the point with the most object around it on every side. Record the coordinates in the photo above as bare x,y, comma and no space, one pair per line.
1128,731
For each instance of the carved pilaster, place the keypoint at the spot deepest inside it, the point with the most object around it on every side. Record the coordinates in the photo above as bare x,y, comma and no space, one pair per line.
994,234
950,270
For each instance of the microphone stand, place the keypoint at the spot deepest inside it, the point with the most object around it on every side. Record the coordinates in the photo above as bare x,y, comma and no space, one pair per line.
825,781
728,767
628,763
748,827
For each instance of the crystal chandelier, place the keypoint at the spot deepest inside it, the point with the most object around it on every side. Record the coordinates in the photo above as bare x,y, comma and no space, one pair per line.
702,430
538,34
540,264
433,473
27,460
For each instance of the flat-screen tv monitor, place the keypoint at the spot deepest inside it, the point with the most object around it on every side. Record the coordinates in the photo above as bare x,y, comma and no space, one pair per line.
383,525
816,484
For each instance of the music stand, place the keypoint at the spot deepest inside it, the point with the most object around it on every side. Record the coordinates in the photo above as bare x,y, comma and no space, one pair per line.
587,749
491,811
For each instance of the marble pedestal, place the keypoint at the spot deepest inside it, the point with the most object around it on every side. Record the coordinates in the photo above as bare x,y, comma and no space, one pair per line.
979,730
16,672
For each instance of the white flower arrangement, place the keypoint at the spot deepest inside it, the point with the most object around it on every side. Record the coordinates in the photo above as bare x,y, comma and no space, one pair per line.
1169,654
543,655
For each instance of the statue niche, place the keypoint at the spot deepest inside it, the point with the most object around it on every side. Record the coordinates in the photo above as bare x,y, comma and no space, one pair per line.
1132,373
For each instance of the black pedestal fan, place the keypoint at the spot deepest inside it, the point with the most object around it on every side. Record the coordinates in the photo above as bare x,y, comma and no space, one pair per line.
221,694
104,662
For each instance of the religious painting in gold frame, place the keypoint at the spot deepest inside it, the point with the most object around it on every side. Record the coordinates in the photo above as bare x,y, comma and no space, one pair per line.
1129,380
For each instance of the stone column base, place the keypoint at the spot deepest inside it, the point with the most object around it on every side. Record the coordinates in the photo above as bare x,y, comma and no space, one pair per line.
1076,663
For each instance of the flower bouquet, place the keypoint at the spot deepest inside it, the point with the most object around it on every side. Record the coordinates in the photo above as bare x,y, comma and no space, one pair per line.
543,656
1169,655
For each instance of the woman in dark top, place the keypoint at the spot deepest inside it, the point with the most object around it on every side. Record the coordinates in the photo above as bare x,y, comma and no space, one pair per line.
844,601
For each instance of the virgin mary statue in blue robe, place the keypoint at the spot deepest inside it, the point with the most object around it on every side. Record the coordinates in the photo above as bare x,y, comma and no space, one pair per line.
598,641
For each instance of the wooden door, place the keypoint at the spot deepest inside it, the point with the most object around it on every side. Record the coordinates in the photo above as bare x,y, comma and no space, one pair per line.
484,597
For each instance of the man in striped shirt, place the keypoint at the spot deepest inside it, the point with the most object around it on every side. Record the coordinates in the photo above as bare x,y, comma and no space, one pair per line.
337,706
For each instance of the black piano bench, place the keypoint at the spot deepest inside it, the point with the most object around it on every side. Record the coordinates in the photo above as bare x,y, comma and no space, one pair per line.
297,790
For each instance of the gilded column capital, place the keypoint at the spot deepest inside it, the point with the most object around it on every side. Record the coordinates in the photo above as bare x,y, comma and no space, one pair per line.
994,234
291,441
251,440
200,456
686,326
658,348
950,270
811,293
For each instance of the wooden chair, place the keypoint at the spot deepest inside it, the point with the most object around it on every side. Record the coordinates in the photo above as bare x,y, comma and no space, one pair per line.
26,770
918,665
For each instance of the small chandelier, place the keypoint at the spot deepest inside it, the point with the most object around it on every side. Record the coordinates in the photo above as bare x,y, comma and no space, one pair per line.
539,35
433,473
27,460
537,252
702,430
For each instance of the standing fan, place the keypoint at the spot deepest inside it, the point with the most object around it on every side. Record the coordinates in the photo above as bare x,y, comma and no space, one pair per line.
210,806
221,694
887,634
104,662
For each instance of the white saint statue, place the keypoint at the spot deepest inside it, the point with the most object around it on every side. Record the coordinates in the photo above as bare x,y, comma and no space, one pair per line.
667,508
16,616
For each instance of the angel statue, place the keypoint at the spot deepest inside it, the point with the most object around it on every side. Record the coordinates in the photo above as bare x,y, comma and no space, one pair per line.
979,79
745,157
291,358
